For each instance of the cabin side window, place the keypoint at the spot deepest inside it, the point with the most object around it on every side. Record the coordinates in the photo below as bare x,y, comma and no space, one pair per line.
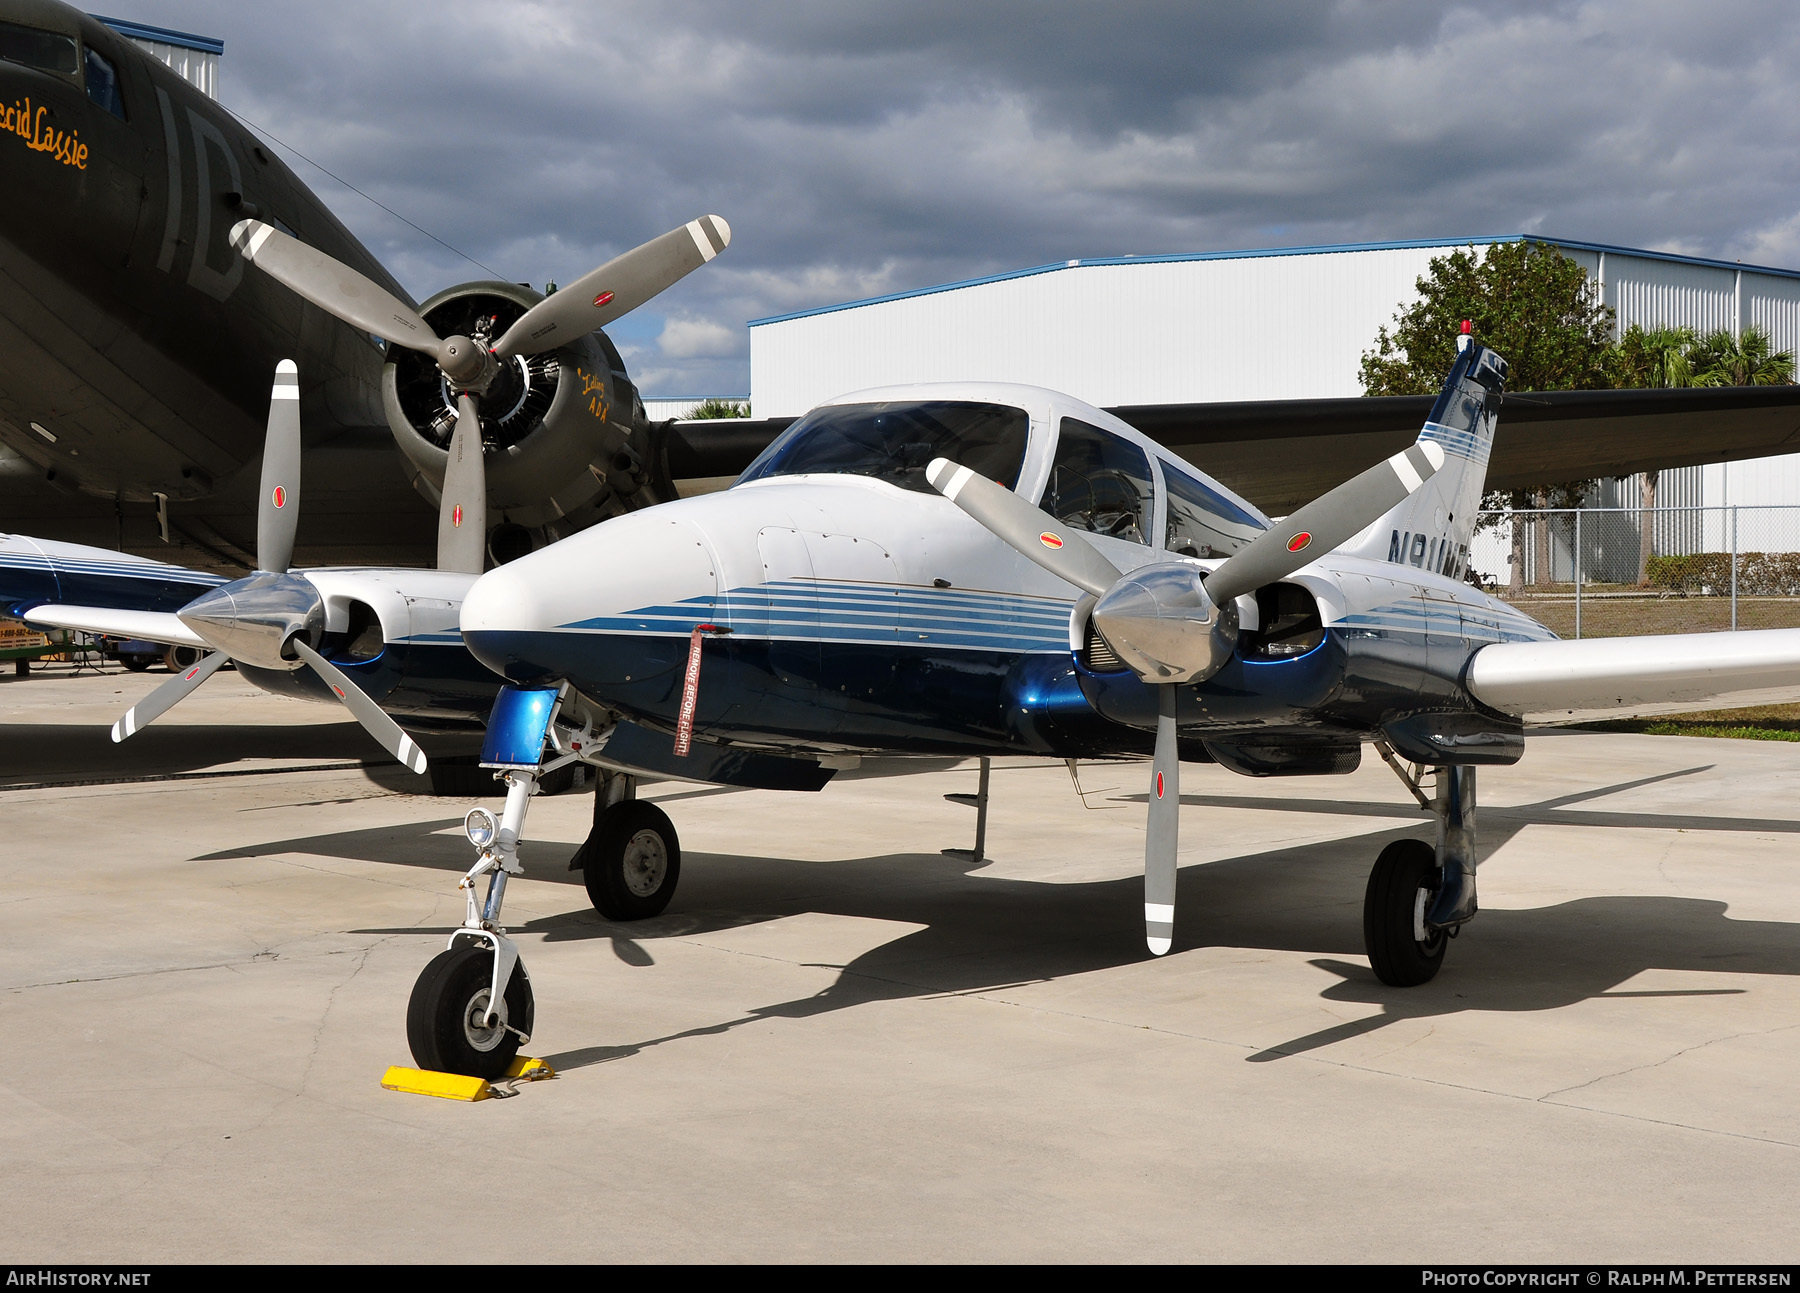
1202,522
1100,483
103,83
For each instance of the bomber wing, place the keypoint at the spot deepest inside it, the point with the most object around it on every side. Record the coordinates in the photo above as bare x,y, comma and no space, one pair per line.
1280,454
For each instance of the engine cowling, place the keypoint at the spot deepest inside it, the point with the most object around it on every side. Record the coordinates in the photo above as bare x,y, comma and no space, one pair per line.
563,433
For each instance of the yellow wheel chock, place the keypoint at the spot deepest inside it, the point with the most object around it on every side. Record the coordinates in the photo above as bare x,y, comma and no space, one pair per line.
456,1086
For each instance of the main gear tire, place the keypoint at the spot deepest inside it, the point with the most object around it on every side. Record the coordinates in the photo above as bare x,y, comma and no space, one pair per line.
631,861
1405,870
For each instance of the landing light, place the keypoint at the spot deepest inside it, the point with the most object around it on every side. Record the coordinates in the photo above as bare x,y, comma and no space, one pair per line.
480,827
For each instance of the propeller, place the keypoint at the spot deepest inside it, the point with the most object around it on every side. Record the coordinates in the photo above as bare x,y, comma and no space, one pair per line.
262,618
1173,622
469,367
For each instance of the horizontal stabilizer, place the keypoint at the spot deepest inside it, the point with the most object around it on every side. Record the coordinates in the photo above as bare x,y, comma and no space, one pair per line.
1552,682
151,626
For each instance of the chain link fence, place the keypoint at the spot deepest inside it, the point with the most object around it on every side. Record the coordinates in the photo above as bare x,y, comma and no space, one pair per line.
1619,572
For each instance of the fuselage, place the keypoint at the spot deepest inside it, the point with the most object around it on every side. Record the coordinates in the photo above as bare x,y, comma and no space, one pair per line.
866,614
134,336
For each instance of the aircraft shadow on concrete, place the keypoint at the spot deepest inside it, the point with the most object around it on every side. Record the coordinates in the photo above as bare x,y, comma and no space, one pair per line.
984,933
52,752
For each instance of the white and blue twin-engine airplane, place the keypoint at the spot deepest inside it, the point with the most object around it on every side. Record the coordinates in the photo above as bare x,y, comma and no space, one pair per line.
975,570
985,570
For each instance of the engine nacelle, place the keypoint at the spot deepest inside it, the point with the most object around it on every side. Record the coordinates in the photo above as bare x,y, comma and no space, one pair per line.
562,432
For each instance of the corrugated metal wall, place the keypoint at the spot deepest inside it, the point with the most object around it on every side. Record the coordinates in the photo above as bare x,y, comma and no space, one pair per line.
679,406
1151,331
194,66
1226,327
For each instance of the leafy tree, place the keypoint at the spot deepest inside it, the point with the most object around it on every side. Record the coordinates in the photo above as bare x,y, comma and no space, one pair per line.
714,408
1527,301
1720,359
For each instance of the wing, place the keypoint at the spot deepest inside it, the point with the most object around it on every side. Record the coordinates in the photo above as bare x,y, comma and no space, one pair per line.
1281,453
150,626
1566,682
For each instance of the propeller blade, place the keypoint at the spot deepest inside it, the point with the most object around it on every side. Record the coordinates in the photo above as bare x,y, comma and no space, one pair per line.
1162,828
278,511
166,697
1033,533
621,285
333,286
373,718
1323,524
462,515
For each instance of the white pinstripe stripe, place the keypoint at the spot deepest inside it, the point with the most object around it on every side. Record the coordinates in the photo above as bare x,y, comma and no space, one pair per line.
701,241
1403,468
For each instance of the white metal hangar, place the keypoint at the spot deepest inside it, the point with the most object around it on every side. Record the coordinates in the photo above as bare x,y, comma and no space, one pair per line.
1227,326
1203,326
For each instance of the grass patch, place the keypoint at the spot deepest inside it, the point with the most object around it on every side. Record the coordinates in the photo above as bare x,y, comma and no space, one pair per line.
1762,723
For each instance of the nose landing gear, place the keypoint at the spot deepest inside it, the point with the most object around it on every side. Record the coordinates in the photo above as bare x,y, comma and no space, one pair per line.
449,1025
472,1007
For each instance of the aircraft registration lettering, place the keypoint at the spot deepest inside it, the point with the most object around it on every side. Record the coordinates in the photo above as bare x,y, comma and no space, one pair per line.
21,119
1437,554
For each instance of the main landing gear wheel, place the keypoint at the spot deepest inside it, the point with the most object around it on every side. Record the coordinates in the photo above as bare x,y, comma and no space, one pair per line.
631,861
1405,869
446,1018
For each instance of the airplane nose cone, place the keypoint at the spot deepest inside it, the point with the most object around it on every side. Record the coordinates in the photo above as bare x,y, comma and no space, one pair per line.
557,612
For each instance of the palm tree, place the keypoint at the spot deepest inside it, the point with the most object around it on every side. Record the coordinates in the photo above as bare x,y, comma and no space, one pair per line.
1720,359
1657,357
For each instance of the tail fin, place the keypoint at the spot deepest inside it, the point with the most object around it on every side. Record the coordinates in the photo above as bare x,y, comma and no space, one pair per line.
1433,528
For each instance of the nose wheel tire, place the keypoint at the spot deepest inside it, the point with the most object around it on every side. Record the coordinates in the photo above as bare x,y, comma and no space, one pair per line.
631,861
446,1019
1405,869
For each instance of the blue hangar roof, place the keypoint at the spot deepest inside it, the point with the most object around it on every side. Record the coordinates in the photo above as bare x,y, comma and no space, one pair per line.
1571,243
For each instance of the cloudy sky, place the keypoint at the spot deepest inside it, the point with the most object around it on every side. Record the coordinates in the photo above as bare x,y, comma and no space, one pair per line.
858,148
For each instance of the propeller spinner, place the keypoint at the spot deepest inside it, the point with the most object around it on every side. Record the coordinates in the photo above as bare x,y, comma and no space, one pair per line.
1171,621
265,618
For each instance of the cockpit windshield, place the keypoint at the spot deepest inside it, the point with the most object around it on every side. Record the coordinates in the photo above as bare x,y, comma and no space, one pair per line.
47,51
896,440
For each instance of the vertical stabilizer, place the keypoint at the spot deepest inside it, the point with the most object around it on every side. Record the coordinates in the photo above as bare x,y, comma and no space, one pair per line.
1432,529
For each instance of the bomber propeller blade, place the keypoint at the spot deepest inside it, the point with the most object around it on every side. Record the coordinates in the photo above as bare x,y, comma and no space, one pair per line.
616,288
333,286
462,514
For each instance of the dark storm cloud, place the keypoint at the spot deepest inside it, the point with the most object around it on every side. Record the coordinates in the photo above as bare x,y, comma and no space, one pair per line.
859,149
